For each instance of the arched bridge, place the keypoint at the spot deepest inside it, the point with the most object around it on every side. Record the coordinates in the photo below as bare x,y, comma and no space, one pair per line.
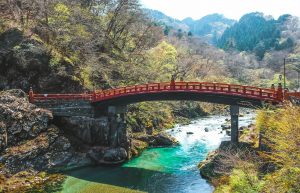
222,93
113,101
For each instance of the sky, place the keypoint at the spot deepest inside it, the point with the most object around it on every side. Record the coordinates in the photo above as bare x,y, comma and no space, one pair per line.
232,9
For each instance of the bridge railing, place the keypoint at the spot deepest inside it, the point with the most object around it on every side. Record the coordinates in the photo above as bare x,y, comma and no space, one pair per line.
44,97
292,94
203,87
189,86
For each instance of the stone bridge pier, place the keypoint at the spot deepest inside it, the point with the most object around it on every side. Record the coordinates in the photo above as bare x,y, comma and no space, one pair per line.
234,113
105,125
90,125
117,124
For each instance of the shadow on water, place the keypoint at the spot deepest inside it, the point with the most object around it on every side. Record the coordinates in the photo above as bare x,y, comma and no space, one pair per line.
125,177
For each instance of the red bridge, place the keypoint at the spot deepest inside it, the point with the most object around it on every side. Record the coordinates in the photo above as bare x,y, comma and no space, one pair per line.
201,91
113,101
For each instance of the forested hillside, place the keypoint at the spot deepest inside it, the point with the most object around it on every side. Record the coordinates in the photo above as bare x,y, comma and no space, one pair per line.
167,22
81,45
258,33
209,27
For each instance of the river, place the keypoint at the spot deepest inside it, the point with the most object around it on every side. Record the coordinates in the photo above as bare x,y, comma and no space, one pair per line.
158,170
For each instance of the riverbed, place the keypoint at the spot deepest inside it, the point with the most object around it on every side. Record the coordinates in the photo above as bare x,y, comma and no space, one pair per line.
159,170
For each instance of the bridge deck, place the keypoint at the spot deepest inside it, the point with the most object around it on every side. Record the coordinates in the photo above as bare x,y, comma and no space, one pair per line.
250,92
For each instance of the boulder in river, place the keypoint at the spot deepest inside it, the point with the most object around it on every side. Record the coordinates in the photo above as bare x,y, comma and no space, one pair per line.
158,140
225,127
189,133
228,132
206,129
115,154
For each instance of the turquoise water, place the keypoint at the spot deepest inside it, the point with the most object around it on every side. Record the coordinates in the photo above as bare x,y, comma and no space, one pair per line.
158,170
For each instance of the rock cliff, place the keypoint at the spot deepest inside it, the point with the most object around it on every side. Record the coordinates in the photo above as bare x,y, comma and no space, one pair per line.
32,140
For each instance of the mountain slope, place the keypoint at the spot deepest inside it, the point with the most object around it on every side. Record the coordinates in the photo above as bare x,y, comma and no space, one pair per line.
256,33
165,20
211,26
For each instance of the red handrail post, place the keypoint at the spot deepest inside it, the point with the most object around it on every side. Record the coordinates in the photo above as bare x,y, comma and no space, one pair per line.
31,95
172,84
273,87
279,92
273,90
260,92
94,95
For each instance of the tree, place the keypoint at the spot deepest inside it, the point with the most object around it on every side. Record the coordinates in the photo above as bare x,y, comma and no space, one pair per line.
253,32
162,61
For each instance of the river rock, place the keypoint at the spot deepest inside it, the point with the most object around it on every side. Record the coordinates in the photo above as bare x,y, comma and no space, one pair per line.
158,140
206,129
189,133
251,125
228,132
137,147
243,128
225,127
115,155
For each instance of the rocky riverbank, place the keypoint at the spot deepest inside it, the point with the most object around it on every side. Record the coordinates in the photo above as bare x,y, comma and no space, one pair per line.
219,163
34,144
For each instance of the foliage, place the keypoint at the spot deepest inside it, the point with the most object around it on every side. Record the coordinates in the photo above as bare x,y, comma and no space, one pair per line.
287,179
255,32
243,180
280,133
162,61
147,116
274,168
281,130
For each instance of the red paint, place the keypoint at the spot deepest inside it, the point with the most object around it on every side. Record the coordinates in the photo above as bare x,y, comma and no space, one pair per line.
196,87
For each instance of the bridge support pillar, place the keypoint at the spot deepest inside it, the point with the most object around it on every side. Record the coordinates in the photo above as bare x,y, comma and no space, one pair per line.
117,124
234,113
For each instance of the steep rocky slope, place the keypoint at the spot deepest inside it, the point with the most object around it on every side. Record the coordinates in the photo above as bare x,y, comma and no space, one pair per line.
30,142
26,61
